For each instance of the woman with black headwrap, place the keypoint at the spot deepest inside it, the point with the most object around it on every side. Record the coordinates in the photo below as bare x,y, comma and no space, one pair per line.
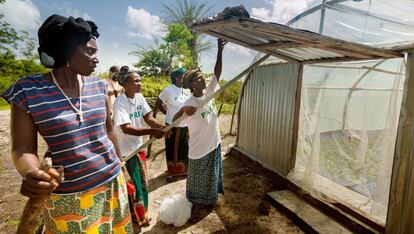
69,109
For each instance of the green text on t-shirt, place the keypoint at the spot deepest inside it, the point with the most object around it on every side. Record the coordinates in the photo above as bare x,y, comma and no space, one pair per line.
137,113
211,107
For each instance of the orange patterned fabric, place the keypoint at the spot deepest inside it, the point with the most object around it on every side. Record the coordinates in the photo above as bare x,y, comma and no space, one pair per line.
103,209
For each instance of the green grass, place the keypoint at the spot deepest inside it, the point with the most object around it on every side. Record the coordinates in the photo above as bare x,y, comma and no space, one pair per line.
4,105
14,222
227,109
344,165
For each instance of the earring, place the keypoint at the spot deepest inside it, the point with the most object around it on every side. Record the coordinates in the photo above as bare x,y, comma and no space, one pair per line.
67,64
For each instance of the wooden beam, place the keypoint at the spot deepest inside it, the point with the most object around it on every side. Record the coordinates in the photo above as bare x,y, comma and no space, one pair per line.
298,42
337,59
301,36
306,36
349,53
280,45
401,203
242,43
401,47
296,116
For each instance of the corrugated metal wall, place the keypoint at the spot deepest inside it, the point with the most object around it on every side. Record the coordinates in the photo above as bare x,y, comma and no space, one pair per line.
266,115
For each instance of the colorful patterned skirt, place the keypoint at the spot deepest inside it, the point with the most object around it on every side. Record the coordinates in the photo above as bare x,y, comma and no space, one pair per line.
103,209
205,178
176,150
137,169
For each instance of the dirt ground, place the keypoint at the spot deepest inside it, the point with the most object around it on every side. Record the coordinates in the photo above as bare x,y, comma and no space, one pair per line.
238,211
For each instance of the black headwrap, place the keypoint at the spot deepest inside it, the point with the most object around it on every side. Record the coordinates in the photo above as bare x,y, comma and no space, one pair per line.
59,36
190,75
123,75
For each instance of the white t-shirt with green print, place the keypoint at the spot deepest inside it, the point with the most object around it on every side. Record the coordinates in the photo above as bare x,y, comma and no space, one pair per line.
203,126
129,111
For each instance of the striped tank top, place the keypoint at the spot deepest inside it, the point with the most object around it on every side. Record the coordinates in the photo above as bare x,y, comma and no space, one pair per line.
83,148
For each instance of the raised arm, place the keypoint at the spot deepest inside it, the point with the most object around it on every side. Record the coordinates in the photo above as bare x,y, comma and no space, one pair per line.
219,61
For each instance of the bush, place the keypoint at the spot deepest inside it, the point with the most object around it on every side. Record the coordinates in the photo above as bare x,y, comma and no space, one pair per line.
152,86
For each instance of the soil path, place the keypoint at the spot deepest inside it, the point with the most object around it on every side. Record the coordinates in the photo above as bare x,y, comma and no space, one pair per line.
245,185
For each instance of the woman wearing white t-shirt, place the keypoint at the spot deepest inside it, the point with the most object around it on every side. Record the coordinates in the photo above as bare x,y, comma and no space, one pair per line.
129,109
205,173
176,146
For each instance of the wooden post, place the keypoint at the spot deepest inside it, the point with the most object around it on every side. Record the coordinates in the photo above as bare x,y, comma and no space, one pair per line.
232,116
400,215
295,135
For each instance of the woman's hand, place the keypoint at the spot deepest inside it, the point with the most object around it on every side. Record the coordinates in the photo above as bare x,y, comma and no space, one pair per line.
221,43
157,133
189,110
38,184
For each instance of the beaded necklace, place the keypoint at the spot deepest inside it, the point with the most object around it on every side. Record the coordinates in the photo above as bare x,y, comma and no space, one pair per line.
78,111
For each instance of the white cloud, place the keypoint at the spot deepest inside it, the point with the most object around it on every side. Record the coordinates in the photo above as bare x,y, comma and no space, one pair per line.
109,56
238,49
114,45
21,14
67,11
282,11
142,24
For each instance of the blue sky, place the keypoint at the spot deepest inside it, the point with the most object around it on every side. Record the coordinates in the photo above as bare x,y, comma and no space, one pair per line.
124,23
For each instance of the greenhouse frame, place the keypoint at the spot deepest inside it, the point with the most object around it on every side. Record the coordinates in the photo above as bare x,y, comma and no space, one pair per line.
332,111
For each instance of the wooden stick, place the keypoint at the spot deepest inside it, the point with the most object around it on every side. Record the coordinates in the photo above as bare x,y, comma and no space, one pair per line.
232,116
33,208
202,103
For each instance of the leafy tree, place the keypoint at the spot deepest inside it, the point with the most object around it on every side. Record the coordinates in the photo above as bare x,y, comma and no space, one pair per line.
186,12
176,42
174,52
8,36
12,43
154,62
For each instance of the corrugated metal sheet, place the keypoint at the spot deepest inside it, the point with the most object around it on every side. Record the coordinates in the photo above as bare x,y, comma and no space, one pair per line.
293,45
266,115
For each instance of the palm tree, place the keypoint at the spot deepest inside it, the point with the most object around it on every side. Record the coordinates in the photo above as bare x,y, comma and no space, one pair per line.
186,12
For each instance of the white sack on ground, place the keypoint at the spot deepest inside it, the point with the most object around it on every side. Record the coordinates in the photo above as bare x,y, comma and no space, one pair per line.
175,210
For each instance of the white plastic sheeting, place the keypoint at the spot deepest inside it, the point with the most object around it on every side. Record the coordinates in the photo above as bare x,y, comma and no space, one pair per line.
349,111
347,131
371,22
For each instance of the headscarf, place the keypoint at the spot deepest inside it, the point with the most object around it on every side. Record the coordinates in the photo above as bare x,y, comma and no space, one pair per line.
123,75
179,72
59,36
190,75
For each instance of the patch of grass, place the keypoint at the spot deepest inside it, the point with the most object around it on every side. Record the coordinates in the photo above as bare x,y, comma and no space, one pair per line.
4,105
227,109
14,222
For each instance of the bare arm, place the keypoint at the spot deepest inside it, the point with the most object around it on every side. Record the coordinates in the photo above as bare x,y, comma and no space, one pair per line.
151,121
110,131
219,61
36,183
189,110
159,106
